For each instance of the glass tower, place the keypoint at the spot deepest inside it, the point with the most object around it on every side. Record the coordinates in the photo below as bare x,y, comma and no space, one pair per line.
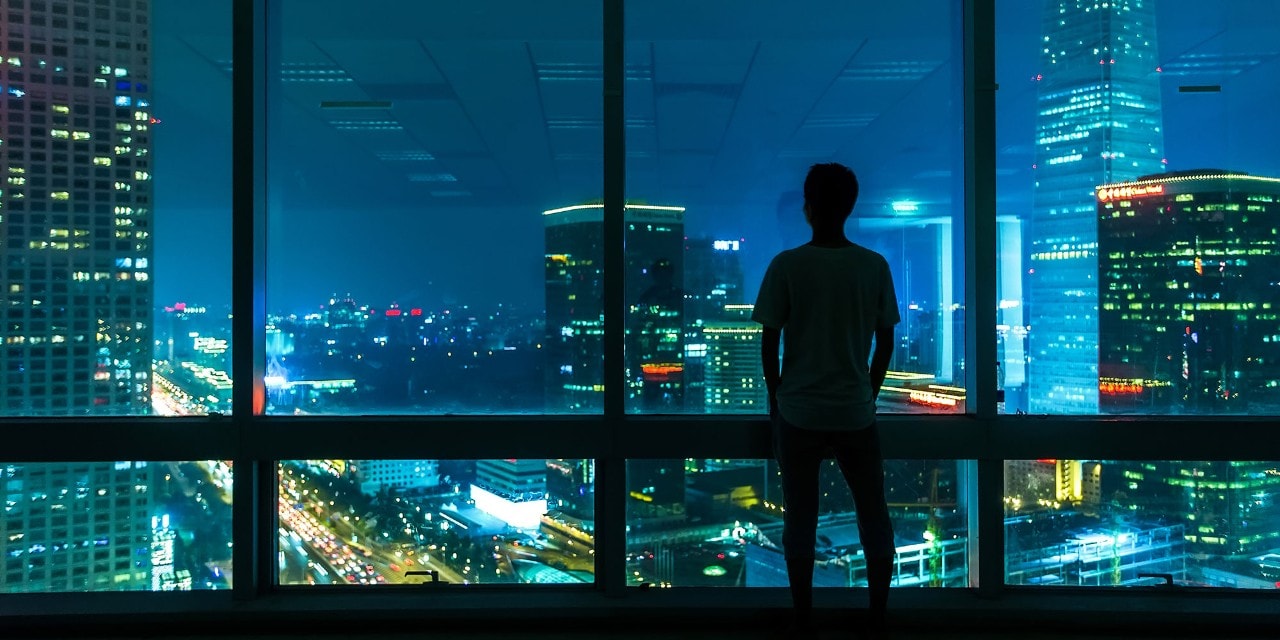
75,214
1098,121
654,290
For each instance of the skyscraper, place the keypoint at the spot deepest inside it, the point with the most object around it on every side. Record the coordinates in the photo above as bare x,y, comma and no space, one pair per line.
575,313
654,292
734,377
75,227
1188,321
79,526
75,210
713,278
1098,121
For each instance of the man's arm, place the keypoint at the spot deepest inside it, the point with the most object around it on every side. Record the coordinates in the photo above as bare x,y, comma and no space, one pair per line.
772,370
880,358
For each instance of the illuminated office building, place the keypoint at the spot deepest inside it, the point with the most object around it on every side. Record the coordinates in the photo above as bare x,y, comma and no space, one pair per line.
1098,121
1225,508
512,490
654,293
734,378
1190,317
75,210
713,278
75,227
376,476
81,526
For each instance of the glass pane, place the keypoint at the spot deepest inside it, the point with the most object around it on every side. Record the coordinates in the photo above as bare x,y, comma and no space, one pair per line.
1137,181
706,523
1141,523
115,526
726,108
420,256
115,203
370,522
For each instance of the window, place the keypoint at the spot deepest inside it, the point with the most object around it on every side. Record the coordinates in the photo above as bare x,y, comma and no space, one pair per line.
417,264
143,357
435,175
710,523
375,522
1135,181
169,523
726,109
1142,522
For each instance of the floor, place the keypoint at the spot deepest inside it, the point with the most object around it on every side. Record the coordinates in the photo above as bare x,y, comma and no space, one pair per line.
663,634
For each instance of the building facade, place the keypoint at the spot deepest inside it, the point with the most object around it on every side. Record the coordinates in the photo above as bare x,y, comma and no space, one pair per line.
1098,121
512,490
734,380
654,289
1190,307
76,210
376,476
82,526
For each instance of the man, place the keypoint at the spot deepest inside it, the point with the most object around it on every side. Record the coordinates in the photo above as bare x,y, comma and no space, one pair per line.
829,298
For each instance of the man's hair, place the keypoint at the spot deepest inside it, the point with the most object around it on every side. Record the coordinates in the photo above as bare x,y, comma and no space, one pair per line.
830,190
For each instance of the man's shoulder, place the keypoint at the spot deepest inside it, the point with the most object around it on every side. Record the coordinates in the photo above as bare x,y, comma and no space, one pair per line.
783,257
870,254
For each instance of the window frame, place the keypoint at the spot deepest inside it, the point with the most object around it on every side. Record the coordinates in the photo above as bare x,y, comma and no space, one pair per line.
255,441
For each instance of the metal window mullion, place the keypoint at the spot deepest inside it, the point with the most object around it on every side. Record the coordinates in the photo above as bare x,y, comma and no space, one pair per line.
251,557
980,285
611,463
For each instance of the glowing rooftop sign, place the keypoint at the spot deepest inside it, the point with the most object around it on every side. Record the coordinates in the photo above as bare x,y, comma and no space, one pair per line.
1107,194
726,245
637,207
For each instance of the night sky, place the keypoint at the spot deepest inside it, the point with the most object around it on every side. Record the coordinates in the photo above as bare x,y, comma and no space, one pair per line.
726,109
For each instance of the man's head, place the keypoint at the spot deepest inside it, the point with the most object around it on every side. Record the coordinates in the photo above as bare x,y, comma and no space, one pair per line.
830,190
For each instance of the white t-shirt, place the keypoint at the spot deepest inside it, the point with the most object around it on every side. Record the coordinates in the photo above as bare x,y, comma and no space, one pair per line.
828,301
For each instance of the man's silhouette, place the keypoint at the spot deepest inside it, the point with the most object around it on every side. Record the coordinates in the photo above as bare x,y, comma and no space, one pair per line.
828,298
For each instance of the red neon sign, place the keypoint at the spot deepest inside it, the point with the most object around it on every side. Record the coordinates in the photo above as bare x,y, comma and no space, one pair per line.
1108,194
1120,388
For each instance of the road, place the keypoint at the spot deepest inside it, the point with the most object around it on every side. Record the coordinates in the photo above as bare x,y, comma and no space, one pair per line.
339,545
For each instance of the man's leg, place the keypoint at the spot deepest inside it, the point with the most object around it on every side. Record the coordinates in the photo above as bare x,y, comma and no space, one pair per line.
799,454
858,453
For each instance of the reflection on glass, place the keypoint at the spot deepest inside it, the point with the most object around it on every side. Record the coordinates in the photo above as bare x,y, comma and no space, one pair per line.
1141,523
115,526
371,522
419,154
1134,173
707,522
99,214
726,109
